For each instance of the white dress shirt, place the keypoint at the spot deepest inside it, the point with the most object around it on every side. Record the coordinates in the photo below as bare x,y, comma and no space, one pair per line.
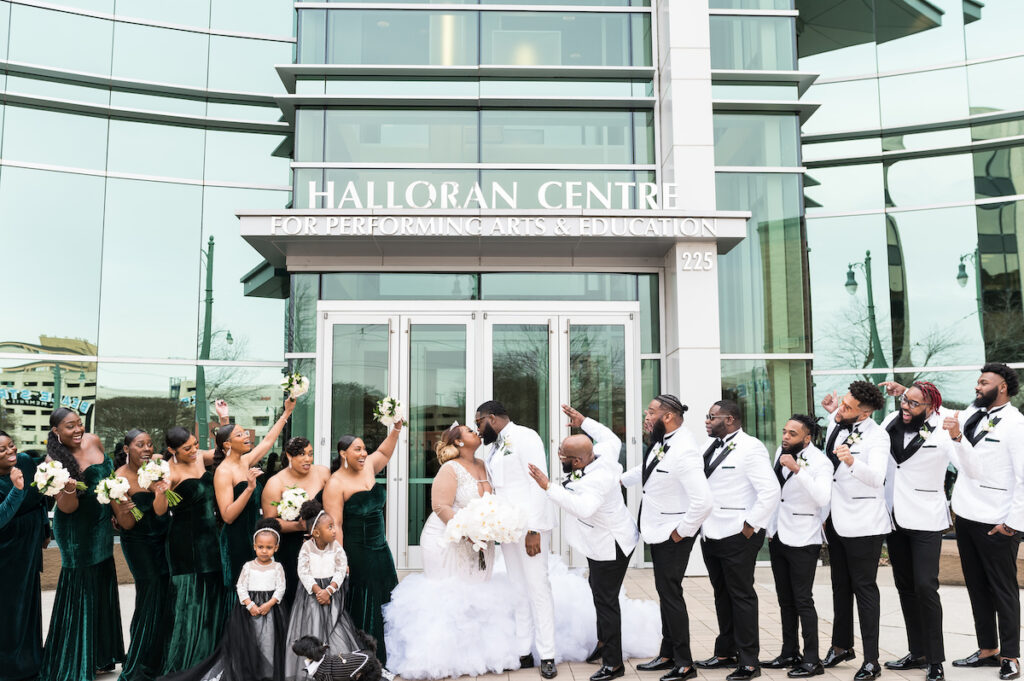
743,486
990,484
804,498
676,496
315,563
256,577
508,461
858,490
915,489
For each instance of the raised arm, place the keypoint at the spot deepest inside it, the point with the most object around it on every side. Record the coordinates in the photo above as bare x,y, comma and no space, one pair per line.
442,493
260,450
379,459
606,442
223,486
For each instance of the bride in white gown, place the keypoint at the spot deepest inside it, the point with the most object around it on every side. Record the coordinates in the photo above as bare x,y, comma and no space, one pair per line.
457,619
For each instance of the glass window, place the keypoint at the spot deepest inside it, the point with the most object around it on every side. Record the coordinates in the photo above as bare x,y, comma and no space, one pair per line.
557,286
999,229
397,37
244,157
5,26
56,89
750,4
303,422
996,33
753,43
400,286
845,106
927,140
564,87
566,137
62,311
418,87
305,293
917,98
844,188
30,391
843,149
359,379
253,395
768,392
194,13
403,136
247,65
987,85
743,139
555,38
143,220
839,40
170,151
300,182
996,172
919,37
140,53
192,106
929,181
60,39
650,313
762,297
309,135
775,92
650,380
243,112
312,36
270,17
63,139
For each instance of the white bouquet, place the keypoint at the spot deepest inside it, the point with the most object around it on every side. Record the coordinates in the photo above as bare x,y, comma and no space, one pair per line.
292,500
156,470
296,385
388,411
51,477
488,518
115,488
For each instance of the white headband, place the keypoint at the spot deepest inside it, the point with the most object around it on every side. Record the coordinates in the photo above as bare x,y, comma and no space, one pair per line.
266,529
316,520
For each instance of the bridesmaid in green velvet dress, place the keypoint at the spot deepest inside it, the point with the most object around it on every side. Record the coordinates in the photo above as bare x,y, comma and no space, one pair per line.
197,593
23,529
353,495
85,627
143,542
301,472
238,496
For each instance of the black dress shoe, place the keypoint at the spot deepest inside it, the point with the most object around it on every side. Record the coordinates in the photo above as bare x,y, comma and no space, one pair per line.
832,658
680,674
595,657
606,673
806,669
1009,669
744,674
656,665
976,660
548,669
907,662
715,663
868,671
782,661
526,661
935,673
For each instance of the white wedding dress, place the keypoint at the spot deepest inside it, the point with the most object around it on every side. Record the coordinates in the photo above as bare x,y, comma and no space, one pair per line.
456,619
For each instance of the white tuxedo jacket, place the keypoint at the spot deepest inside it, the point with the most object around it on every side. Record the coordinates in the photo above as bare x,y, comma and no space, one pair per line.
858,491
804,498
677,495
915,491
743,486
507,462
990,485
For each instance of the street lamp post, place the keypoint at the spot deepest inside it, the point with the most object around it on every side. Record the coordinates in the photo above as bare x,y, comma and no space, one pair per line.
56,384
202,415
878,357
962,277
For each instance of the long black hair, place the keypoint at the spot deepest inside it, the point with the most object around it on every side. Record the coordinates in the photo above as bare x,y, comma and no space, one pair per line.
56,449
220,439
122,451
175,438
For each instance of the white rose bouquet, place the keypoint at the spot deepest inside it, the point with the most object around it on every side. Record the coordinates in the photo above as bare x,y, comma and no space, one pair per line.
295,385
156,470
486,519
388,411
115,488
292,500
51,477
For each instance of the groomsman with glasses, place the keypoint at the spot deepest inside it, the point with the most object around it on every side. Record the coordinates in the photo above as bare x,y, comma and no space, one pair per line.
988,499
745,493
675,501
794,542
858,522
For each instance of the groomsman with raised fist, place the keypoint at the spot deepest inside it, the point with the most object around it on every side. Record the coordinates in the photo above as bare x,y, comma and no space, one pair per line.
988,499
858,521
676,500
794,541
745,493
919,455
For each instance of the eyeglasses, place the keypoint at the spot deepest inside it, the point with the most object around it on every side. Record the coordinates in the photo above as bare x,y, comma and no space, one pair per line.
913,404
712,417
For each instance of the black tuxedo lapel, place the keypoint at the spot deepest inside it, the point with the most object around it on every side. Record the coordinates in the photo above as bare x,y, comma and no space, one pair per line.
896,440
831,445
650,466
778,472
710,467
972,425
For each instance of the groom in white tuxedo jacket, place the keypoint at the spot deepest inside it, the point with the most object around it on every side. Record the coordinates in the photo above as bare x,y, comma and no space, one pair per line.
509,451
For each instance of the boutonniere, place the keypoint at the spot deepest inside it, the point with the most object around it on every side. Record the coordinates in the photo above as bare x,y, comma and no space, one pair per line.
659,453
506,448
576,475
853,438
731,446
801,460
991,423
925,432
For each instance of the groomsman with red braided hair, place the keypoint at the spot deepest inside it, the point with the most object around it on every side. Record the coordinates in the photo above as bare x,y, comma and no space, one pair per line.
919,455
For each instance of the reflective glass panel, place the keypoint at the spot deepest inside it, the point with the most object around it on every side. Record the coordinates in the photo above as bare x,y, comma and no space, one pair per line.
750,4
270,17
753,43
147,102
848,105
924,97
359,378
999,273
309,134
996,172
312,36
303,423
615,186
566,137
768,392
520,359
403,188
404,136
597,375
171,151
987,85
837,39
743,139
557,286
650,313
398,37
555,38
140,52
740,91
247,65
29,391
305,293
929,34
844,188
56,89
995,34
929,181
840,150
185,12
63,139
254,398
60,39
399,286
245,157
650,380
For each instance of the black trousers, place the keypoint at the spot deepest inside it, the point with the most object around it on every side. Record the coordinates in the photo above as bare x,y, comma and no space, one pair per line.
670,559
605,581
793,568
914,555
854,563
730,564
989,563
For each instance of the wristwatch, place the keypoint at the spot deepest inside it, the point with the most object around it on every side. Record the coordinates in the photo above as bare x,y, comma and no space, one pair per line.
531,532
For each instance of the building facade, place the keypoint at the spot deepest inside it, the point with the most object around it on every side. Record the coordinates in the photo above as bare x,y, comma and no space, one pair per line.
587,201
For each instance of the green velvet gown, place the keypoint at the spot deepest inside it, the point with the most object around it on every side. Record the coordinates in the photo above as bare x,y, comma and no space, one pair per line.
22,532
85,626
236,539
145,551
197,582
372,575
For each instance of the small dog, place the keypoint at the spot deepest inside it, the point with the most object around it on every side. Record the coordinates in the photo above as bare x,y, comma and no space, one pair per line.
360,665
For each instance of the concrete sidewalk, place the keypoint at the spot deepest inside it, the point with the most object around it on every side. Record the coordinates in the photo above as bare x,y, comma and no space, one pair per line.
957,625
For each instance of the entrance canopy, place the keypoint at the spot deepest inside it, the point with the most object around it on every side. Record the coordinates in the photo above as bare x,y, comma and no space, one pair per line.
333,238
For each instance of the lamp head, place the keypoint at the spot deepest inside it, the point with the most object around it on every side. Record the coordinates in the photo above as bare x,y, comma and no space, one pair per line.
851,281
961,274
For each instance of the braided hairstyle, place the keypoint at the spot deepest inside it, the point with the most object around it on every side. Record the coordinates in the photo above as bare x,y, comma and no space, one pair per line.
56,449
931,393
122,451
810,423
308,513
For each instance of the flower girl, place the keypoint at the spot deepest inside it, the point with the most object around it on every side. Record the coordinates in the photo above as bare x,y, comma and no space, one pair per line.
319,607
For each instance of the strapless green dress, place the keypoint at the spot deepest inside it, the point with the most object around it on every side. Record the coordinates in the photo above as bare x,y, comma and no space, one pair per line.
197,582
236,539
85,627
23,529
145,551
373,575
